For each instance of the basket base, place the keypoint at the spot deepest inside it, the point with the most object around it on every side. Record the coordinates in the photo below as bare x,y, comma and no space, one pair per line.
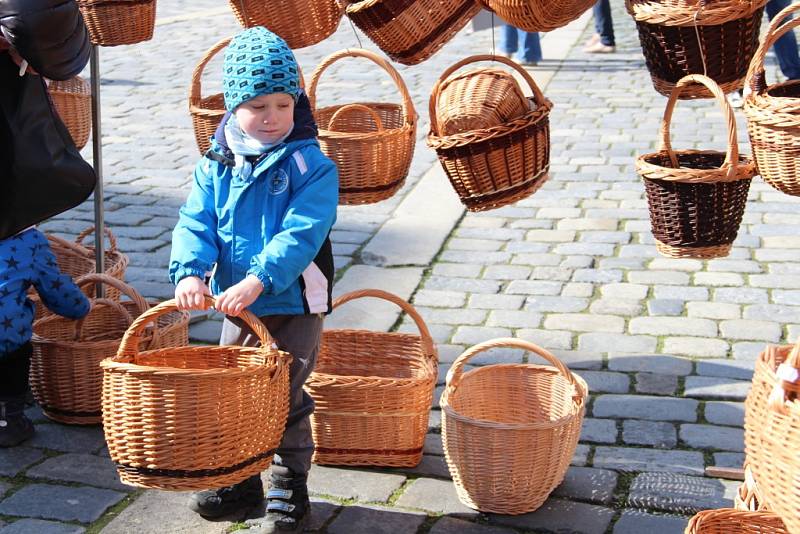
324,456
701,253
498,199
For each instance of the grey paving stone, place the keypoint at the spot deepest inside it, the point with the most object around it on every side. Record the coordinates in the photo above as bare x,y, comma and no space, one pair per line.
717,279
82,468
353,484
558,515
587,249
645,407
725,368
676,264
588,484
67,438
38,526
698,347
581,455
713,310
604,342
724,413
655,383
62,503
673,326
3,489
506,272
723,438
451,525
465,285
624,291
559,273
635,459
583,322
650,363
742,329
624,307
560,304
576,359
552,236
741,295
443,299
361,519
433,444
729,459
606,382
496,302
658,277
429,466
453,316
14,460
532,287
597,276
653,433
678,493
514,318
665,307
549,339
599,430
680,292
471,335
529,260
434,496
773,313
714,387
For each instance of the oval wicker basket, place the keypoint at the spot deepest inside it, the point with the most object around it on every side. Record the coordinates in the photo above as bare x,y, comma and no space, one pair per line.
119,22
300,23
206,112
372,143
696,197
373,392
729,521
73,101
411,31
193,417
495,166
539,15
508,461
65,376
773,115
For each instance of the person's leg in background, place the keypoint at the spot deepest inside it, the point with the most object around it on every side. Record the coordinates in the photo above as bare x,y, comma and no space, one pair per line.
15,427
508,40
531,48
603,41
785,47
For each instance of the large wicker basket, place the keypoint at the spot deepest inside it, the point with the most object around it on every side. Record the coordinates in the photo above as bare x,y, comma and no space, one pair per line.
773,115
373,392
505,460
371,143
72,99
411,31
193,417
499,165
206,112
696,197
539,15
729,521
301,23
119,22
681,37
65,376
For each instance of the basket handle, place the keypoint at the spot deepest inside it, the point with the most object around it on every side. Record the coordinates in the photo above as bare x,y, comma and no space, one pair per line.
409,115
787,374
112,239
427,340
195,89
71,248
351,107
732,153
756,77
456,371
538,96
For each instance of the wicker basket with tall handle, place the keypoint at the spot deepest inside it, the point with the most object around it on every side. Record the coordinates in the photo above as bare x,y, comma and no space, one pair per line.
206,112
539,15
300,23
119,22
72,99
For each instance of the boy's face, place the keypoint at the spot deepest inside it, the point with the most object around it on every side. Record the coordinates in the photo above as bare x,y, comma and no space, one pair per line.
266,118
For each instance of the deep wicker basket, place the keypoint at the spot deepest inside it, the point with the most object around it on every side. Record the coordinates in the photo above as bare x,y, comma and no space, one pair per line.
539,15
372,143
119,22
300,23
503,460
729,521
73,101
373,392
193,417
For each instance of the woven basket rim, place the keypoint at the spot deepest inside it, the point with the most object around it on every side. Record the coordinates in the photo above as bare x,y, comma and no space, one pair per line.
711,14
644,166
335,134
476,136
274,359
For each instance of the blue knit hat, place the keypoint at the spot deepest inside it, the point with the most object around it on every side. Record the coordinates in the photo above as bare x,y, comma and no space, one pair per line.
258,62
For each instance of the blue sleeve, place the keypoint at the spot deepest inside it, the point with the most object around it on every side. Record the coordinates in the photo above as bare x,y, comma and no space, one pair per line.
304,228
195,247
57,290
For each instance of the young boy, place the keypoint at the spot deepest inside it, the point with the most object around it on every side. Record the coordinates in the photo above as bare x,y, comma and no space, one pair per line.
261,208
26,260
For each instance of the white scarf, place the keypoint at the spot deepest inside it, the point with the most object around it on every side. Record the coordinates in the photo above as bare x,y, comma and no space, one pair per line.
243,145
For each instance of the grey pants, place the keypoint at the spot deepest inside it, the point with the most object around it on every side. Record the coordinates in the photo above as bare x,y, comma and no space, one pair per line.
300,336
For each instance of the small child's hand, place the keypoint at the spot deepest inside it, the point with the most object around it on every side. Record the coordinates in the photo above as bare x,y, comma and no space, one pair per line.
238,297
190,294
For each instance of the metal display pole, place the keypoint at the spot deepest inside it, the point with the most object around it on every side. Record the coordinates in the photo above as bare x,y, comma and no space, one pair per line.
97,160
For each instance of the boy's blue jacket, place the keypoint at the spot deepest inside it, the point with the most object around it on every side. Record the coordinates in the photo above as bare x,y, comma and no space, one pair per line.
274,225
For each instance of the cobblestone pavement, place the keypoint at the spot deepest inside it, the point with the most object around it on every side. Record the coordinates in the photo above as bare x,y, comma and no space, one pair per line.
666,346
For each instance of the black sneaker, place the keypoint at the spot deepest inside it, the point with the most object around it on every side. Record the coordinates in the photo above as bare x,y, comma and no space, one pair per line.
288,507
224,501
15,427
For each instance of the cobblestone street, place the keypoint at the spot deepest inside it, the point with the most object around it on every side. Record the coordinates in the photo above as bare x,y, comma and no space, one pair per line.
666,345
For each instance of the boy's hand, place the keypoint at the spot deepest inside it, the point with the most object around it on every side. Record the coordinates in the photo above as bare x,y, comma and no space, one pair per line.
190,294
238,297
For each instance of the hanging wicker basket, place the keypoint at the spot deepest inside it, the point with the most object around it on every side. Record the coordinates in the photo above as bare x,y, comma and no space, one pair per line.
300,23
729,521
696,197
373,392
193,417
682,37
119,22
411,31
206,112
495,166
539,15
73,101
372,143
773,115
508,461
66,378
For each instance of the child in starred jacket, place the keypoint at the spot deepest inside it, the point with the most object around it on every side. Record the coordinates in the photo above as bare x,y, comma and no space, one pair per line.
259,215
26,260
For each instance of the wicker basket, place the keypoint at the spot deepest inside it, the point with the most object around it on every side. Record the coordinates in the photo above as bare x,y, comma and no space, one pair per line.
506,460
65,376
539,15
748,498
115,261
696,197
371,143
206,112
373,392
729,521
300,23
681,37
773,115
193,417
73,101
411,31
119,22
495,166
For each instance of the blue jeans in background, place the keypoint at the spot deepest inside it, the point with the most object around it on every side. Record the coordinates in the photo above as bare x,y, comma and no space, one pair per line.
603,24
785,47
531,47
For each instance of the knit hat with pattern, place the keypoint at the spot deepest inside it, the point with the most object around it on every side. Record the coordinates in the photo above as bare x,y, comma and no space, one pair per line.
258,62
